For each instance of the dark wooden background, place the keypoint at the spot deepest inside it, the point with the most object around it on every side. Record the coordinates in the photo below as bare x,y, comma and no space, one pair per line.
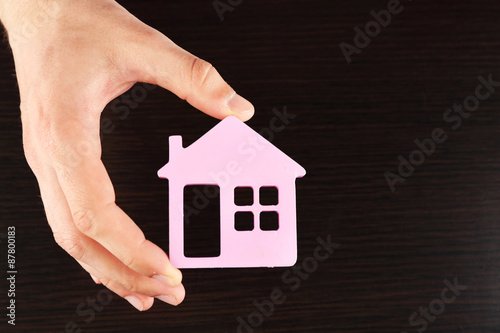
353,121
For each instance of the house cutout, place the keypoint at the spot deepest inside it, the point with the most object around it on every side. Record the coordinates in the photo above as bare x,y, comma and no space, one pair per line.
256,181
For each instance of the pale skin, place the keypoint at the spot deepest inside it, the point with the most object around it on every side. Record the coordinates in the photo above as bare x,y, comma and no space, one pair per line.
68,69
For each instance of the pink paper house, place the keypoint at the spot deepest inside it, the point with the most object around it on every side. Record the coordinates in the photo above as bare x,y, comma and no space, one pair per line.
236,158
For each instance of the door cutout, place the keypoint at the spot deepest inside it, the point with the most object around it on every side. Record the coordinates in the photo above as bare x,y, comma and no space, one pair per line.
201,221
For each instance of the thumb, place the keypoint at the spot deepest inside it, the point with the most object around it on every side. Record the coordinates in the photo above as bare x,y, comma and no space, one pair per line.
192,79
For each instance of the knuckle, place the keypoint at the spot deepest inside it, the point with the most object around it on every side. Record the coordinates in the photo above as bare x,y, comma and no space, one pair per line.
70,244
64,141
29,146
129,261
146,34
108,283
50,147
200,72
67,144
130,285
105,282
31,156
84,221
75,150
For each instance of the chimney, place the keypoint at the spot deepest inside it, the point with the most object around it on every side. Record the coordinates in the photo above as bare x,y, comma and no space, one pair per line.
175,146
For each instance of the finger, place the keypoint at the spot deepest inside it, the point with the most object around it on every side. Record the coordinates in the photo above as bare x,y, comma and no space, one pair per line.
189,77
141,302
138,301
115,273
174,296
90,197
106,267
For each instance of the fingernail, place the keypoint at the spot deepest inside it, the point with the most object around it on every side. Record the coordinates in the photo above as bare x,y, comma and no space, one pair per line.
238,104
165,280
168,299
135,302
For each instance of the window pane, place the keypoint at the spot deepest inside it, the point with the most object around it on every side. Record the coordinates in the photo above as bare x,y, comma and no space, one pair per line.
268,195
243,196
243,221
269,221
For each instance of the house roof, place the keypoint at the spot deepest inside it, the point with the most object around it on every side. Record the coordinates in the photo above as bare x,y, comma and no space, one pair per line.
230,140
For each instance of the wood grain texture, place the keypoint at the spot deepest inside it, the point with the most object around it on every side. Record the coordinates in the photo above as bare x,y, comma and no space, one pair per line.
353,121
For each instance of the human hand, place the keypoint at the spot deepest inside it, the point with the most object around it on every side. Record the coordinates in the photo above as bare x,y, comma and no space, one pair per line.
87,54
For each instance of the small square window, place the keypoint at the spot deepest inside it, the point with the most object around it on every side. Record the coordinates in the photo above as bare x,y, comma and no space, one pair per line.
269,221
268,195
243,196
243,221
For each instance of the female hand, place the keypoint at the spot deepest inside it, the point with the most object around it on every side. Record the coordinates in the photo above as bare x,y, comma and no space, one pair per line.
84,55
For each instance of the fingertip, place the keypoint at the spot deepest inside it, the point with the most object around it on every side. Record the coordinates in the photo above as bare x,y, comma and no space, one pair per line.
148,303
181,293
240,107
175,276
174,297
135,302
140,302
172,278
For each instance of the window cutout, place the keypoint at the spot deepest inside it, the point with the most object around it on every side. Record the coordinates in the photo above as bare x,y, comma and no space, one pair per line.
243,196
269,221
201,221
268,195
243,221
